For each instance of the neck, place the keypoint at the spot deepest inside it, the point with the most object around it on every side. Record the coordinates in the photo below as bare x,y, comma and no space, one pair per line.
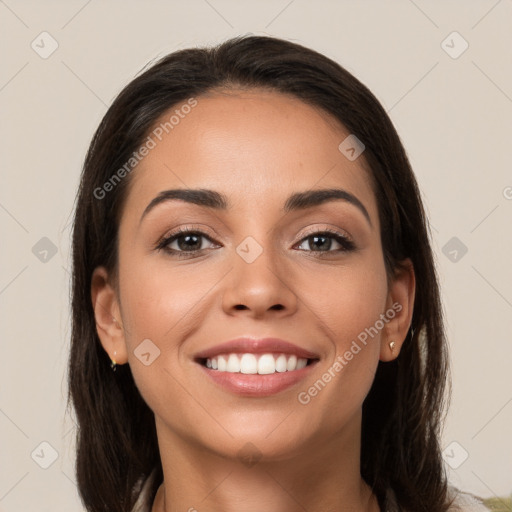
318,477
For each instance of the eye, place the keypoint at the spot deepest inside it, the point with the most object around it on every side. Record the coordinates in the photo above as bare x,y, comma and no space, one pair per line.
184,242
322,241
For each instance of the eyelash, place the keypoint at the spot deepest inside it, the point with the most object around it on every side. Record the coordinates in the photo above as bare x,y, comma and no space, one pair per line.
343,240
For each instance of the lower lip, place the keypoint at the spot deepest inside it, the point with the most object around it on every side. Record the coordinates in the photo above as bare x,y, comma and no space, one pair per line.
255,384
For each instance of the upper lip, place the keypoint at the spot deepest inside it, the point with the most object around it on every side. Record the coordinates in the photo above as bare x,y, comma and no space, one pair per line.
256,346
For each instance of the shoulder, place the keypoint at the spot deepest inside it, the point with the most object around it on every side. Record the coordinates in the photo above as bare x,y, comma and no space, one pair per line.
465,502
460,501
142,504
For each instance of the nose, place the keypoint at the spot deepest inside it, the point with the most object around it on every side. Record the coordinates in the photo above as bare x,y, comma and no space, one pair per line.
260,287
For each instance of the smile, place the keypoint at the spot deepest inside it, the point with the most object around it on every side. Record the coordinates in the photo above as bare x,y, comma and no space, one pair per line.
261,364
256,367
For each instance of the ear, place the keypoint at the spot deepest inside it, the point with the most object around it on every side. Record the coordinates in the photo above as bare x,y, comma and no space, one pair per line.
108,316
399,310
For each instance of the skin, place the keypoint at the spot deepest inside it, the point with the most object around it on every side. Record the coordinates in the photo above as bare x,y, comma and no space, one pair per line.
257,148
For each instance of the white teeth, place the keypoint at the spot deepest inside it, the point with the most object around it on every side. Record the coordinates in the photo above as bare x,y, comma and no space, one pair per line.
281,363
248,363
223,365
301,363
233,364
264,364
292,363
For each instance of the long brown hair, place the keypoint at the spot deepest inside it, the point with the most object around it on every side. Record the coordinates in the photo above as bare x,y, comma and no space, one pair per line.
116,438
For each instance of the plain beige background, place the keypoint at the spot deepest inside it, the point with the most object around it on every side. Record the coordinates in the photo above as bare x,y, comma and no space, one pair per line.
453,111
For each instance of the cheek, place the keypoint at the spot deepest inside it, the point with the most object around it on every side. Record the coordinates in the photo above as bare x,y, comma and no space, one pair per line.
157,304
165,303
349,315
346,301
157,299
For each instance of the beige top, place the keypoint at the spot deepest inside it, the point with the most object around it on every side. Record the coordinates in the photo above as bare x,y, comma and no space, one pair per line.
464,502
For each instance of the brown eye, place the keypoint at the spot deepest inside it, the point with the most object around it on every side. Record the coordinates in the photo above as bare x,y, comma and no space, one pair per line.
184,243
323,241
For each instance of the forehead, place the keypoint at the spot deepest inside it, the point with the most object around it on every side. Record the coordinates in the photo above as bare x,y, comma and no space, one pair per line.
250,145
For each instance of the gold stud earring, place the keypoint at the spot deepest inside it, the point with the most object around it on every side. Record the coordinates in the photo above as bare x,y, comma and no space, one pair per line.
392,346
113,364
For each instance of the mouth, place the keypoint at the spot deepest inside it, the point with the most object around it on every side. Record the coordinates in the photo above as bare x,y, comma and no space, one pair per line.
256,364
256,367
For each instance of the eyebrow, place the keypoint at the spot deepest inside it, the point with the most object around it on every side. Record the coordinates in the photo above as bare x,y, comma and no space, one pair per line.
217,201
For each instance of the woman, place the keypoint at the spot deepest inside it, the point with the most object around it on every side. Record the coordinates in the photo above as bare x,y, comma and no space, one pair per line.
256,314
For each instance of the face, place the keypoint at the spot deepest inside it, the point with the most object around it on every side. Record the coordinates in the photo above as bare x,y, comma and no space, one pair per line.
262,266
